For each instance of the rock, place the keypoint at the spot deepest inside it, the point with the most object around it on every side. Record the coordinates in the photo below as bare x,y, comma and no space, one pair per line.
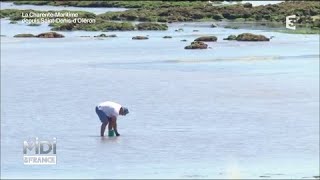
50,35
178,30
167,37
207,38
139,37
251,37
112,35
184,40
101,35
231,27
214,25
23,35
231,37
197,45
13,22
34,24
84,36
195,30
104,35
247,5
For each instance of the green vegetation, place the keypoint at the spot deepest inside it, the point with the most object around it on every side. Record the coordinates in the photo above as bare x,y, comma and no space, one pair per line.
271,13
151,26
122,4
177,11
100,25
16,15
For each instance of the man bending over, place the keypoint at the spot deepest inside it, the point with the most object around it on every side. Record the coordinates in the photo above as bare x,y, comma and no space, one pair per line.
108,112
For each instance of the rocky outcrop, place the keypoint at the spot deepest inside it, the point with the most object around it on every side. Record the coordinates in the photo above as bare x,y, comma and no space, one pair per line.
214,25
42,35
50,35
34,24
251,37
23,35
207,38
197,45
140,37
178,30
106,36
231,38
247,37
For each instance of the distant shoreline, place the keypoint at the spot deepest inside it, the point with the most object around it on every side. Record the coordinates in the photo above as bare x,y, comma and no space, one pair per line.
155,18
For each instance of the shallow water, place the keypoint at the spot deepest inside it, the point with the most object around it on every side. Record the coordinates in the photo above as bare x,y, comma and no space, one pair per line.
237,110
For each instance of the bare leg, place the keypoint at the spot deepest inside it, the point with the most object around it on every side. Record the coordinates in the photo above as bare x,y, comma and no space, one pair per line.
103,128
110,126
114,124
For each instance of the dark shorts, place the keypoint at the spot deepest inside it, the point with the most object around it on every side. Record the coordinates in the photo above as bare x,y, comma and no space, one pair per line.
102,116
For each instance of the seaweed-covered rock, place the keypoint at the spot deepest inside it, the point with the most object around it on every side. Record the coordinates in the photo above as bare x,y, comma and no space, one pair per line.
151,26
214,25
140,37
197,45
34,24
23,35
50,35
178,30
104,35
207,38
167,37
231,27
251,37
231,37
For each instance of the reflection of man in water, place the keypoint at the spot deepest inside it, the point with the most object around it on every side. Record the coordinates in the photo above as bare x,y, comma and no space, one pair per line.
108,112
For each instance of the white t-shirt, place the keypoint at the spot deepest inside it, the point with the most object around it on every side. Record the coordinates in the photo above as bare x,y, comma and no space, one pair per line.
110,108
